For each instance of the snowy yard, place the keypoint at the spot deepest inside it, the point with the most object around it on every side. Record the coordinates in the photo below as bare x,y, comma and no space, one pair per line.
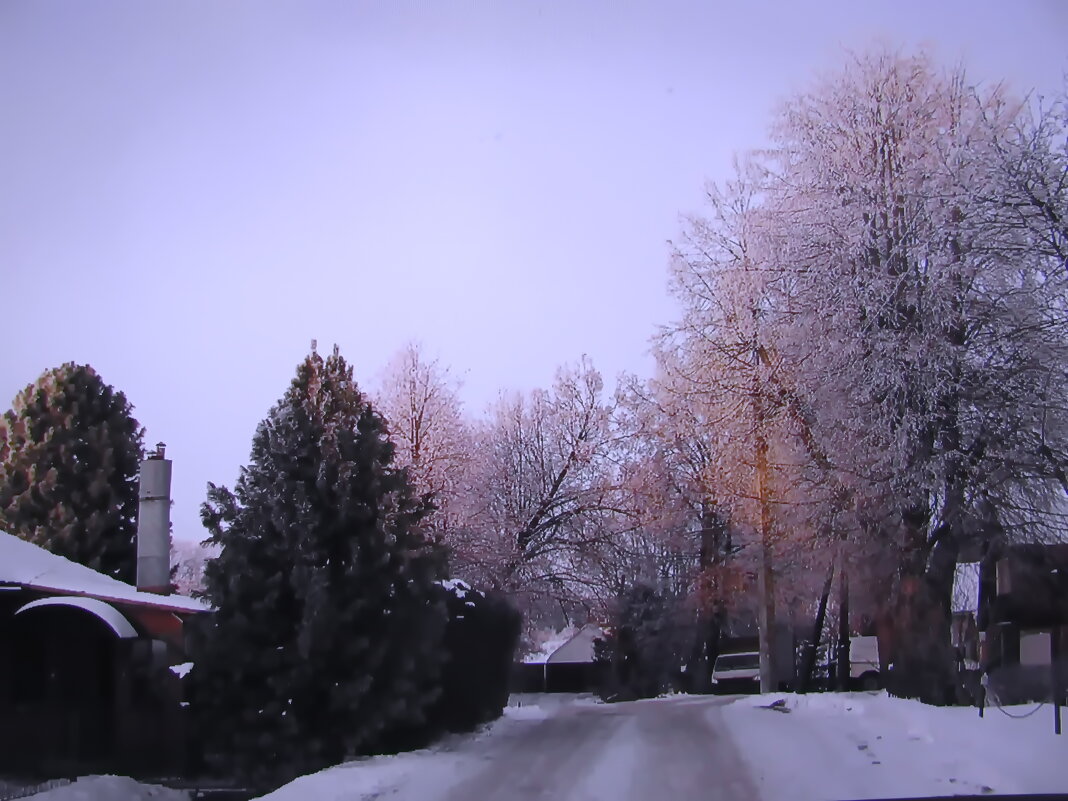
868,745
110,788
823,746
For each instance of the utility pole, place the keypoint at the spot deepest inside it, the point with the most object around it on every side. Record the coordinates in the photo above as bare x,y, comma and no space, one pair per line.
842,655
1056,682
765,578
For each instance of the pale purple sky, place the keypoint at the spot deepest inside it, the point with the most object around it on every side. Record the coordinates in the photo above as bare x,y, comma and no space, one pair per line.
191,191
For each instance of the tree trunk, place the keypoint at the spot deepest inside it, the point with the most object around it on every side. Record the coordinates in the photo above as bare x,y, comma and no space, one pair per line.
706,648
842,656
808,664
924,666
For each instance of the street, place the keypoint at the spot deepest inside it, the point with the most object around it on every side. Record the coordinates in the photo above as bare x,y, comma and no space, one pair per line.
578,750
668,748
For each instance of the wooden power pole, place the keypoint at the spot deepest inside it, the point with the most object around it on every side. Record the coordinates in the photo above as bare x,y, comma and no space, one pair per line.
765,578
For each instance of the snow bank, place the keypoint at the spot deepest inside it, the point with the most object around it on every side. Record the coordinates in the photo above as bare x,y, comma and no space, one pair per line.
862,745
420,774
552,700
526,712
365,778
110,788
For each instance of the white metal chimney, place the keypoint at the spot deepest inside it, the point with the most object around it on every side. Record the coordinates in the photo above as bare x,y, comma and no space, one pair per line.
154,524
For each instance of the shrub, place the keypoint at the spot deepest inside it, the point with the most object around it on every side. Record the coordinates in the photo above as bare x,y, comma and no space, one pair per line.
642,657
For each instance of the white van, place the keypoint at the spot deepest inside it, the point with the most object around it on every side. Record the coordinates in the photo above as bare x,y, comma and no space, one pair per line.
741,668
864,662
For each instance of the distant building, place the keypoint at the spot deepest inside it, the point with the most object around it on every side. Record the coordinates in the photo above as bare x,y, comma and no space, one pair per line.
570,668
1009,609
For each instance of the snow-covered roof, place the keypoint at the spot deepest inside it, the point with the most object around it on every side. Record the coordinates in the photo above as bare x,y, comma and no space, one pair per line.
106,612
29,565
579,648
547,644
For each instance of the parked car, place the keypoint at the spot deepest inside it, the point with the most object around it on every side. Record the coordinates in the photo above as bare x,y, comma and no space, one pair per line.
737,672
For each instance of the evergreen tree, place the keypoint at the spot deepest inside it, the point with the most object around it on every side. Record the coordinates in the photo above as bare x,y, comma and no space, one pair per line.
328,624
70,451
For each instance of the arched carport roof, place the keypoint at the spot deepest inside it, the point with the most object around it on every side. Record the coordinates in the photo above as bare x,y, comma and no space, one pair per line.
107,613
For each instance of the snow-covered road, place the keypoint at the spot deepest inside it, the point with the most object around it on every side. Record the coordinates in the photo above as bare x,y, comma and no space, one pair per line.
672,748
773,747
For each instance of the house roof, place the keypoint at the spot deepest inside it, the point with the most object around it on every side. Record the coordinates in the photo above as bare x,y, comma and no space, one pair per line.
579,649
27,565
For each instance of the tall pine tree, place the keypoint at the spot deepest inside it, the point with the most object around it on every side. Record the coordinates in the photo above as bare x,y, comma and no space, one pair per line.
328,624
70,451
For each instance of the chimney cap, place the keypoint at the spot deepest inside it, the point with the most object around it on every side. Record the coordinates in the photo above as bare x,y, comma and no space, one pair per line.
161,449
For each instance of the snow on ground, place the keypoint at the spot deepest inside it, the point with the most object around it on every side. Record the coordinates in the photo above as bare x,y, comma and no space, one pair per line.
576,750
110,788
821,746
868,745
420,774
526,712
368,778
548,701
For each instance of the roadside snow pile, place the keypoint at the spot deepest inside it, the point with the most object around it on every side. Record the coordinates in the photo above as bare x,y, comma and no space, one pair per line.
861,745
110,788
553,701
410,774
526,712
369,778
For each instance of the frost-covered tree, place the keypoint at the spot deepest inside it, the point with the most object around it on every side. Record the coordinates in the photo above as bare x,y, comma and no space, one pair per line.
681,519
70,451
188,561
886,285
420,400
541,492
942,377
328,621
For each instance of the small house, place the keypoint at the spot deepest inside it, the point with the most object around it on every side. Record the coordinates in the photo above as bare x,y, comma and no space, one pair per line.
568,668
91,667
1024,614
85,679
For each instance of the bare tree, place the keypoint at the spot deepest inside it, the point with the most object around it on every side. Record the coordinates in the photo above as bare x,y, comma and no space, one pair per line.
187,565
542,492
